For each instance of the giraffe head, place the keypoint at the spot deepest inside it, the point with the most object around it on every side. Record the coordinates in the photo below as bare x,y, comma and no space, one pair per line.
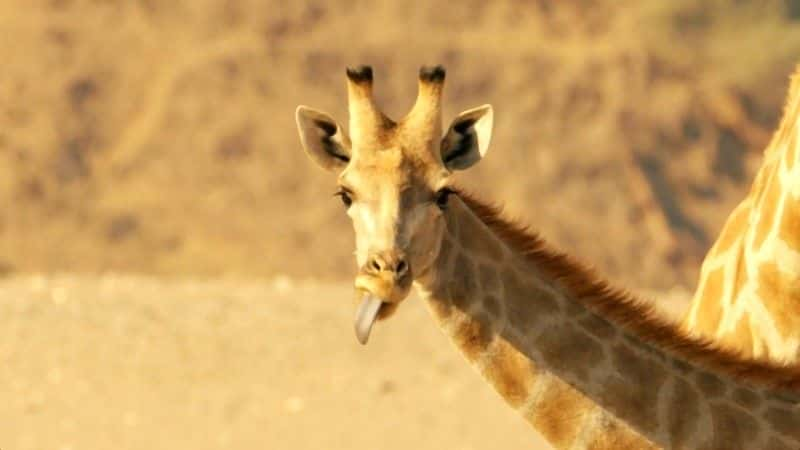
393,179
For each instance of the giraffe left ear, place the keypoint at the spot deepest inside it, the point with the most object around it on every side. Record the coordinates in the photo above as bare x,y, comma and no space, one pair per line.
323,139
467,139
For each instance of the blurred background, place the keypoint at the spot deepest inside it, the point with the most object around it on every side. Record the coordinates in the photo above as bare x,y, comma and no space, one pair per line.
174,272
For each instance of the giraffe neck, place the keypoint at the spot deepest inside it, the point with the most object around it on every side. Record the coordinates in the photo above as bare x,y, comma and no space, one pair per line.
580,378
748,294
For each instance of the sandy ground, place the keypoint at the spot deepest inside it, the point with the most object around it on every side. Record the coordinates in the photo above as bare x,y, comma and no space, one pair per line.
133,362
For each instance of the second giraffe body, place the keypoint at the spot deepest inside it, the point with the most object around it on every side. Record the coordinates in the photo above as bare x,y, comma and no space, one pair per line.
748,294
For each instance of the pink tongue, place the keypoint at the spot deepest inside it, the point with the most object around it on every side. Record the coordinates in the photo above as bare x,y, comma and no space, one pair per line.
366,314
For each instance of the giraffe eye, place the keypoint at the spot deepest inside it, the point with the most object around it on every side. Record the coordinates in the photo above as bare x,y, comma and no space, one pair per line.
441,198
345,197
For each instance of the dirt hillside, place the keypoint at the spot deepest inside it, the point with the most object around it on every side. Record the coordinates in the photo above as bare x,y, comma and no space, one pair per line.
158,137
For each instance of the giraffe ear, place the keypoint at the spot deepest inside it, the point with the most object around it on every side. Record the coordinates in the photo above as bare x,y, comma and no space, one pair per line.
467,139
323,139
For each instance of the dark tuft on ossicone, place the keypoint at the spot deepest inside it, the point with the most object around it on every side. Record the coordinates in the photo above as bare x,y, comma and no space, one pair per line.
360,74
433,74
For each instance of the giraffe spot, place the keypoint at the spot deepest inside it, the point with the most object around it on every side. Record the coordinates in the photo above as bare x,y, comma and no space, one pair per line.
463,285
709,384
733,428
789,228
510,372
477,240
613,435
441,307
598,326
746,398
777,291
530,304
472,334
633,397
575,308
446,251
784,421
733,229
568,349
453,227
489,278
492,306
777,444
560,413
682,367
766,208
682,415
644,347
709,311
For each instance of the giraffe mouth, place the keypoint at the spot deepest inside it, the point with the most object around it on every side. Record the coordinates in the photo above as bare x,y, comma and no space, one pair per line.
366,314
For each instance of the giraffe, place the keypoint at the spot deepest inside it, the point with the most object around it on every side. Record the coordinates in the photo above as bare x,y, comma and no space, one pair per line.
587,365
748,293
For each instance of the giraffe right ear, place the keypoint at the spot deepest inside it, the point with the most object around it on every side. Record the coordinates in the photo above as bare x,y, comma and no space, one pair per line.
323,139
467,139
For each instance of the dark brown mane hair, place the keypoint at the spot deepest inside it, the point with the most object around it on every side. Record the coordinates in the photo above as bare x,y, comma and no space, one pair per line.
633,314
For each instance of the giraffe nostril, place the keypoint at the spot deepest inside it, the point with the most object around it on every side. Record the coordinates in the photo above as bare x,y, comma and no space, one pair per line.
401,268
376,266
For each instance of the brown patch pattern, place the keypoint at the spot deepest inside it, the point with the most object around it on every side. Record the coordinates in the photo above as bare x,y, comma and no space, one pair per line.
473,335
463,285
782,420
566,348
511,372
634,396
732,231
488,247
747,398
598,326
492,306
683,414
489,279
733,428
627,311
776,444
789,228
533,307
613,435
709,312
560,414
710,385
777,291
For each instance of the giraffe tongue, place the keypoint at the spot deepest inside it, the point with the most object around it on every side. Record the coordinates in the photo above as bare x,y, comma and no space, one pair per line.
366,314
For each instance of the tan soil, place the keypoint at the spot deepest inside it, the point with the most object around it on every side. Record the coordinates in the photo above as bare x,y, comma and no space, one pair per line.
138,363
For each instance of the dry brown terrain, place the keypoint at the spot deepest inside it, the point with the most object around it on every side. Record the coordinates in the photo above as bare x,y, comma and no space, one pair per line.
157,138
139,363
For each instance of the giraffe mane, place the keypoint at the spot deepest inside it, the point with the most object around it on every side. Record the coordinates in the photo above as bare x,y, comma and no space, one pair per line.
630,312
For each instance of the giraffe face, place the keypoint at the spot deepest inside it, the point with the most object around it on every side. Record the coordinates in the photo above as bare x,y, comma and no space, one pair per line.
394,183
